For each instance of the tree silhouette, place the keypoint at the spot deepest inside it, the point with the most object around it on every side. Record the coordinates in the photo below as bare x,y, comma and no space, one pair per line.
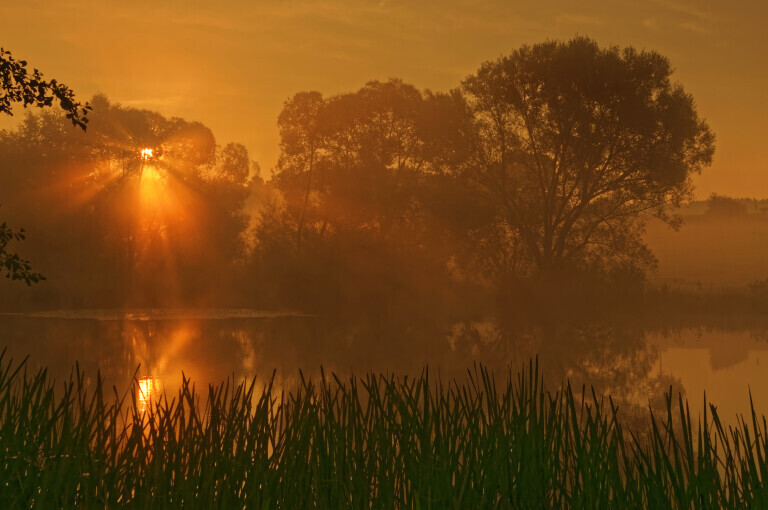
21,86
357,161
721,206
576,144
18,85
360,177
117,228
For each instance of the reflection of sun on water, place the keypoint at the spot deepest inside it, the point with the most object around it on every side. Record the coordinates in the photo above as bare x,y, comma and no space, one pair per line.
149,391
159,351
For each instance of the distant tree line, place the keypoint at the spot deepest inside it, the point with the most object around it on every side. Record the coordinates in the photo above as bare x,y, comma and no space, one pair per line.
720,206
80,196
537,172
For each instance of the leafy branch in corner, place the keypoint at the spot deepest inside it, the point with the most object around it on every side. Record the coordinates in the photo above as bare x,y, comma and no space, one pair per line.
19,85
14,266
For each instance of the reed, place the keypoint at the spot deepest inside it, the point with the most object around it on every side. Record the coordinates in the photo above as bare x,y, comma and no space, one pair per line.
371,442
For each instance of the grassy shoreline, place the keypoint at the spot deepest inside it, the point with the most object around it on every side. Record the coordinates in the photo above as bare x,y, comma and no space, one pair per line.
370,442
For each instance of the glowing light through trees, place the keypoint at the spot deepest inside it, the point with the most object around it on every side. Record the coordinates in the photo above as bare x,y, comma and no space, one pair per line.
152,186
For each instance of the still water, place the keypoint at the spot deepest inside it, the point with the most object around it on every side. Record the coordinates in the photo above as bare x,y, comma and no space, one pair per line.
155,348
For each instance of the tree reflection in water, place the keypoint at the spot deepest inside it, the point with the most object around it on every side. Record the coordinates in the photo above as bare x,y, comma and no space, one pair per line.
616,361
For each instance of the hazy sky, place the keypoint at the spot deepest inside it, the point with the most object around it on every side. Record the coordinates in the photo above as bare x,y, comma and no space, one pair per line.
231,64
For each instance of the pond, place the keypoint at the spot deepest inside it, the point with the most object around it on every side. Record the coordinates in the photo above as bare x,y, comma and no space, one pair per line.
157,347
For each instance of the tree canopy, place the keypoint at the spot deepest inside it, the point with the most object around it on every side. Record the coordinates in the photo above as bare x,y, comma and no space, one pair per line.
356,160
356,175
576,143
18,85
543,164
113,225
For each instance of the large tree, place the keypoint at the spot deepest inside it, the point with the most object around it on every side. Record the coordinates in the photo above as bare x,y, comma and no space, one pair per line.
358,174
576,145
357,161
18,85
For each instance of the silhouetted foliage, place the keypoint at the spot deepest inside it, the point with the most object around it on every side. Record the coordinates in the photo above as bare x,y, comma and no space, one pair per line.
112,227
534,177
357,160
721,206
576,145
358,175
18,85
14,266
544,165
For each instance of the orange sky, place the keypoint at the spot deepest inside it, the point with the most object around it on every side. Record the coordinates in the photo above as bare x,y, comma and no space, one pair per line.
231,66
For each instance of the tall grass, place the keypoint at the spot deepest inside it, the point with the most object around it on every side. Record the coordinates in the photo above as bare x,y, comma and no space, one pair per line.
371,442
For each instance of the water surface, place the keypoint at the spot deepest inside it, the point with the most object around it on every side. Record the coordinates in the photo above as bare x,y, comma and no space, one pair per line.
157,347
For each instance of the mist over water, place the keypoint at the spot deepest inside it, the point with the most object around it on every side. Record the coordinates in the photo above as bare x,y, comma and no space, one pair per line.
633,365
383,255
400,229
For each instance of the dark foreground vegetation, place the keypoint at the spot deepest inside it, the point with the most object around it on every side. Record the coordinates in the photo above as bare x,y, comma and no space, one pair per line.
378,441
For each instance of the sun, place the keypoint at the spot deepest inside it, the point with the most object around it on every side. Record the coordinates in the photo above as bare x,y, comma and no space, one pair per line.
146,153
